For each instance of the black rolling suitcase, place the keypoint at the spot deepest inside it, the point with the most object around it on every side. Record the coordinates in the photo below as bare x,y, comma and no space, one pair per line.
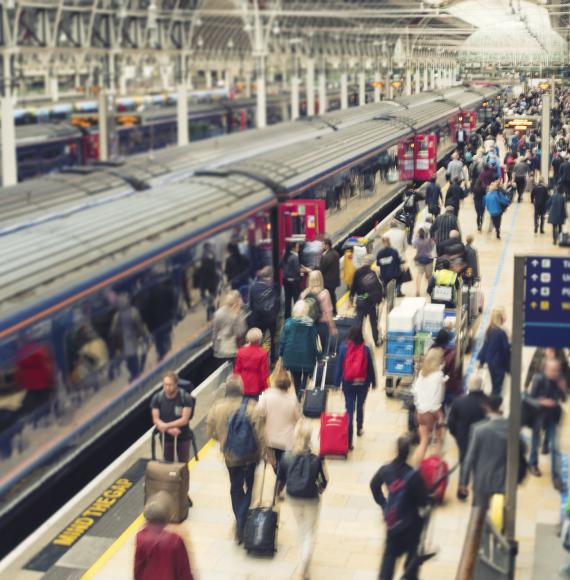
260,533
315,401
564,241
343,325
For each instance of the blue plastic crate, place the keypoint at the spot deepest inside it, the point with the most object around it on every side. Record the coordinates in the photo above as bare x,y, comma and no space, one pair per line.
401,333
399,366
401,346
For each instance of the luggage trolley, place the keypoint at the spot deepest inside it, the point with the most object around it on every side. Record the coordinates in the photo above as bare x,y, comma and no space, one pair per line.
404,349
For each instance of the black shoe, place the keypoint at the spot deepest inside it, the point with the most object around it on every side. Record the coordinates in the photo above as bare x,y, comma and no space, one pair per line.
462,495
350,447
239,536
498,237
190,503
557,483
545,448
360,432
400,294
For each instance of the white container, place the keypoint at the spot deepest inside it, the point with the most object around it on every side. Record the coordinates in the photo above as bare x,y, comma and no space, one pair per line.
432,316
415,305
400,320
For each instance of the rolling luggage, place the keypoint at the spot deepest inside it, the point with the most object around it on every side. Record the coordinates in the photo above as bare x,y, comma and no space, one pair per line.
174,478
315,401
564,241
343,325
334,434
434,471
260,533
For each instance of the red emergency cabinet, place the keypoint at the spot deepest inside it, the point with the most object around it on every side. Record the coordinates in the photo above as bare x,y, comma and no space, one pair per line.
301,220
406,159
425,156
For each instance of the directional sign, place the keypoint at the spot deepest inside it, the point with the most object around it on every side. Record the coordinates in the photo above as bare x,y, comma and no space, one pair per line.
547,302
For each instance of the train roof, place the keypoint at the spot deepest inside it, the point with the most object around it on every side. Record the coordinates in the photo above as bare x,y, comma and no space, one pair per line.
304,164
36,200
40,132
62,257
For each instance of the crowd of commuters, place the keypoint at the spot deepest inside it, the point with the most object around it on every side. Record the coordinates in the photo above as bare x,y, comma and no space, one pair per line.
260,418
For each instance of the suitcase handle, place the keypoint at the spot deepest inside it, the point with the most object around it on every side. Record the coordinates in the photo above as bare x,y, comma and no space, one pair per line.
163,438
324,375
273,500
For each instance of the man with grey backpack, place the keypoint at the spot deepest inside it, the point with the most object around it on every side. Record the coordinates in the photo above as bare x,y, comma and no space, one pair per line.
233,422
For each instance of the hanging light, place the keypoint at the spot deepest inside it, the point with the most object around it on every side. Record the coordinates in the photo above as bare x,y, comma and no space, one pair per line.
230,43
276,30
200,42
151,22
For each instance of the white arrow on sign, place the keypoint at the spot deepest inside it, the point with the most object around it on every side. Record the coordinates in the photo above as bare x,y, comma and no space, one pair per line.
533,291
534,263
534,276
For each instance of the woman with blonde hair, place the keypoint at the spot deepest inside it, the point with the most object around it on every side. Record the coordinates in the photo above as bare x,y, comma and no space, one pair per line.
429,392
323,311
304,475
496,350
228,327
280,410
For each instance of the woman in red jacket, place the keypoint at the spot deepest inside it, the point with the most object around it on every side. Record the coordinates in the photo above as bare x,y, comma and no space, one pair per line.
252,364
160,554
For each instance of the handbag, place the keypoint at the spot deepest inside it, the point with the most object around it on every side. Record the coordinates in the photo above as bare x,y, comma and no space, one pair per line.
530,411
486,381
405,276
443,293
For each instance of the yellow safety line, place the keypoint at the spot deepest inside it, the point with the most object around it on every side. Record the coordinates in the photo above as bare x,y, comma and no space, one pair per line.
100,563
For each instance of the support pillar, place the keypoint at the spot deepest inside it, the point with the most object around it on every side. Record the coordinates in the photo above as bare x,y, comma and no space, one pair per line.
432,77
261,108
408,84
208,74
426,82
54,87
323,105
377,89
122,82
295,113
248,84
310,88
344,90
103,126
361,89
418,87
182,114
545,137
8,132
390,87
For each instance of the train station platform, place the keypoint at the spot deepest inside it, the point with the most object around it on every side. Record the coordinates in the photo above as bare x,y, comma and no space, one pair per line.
351,531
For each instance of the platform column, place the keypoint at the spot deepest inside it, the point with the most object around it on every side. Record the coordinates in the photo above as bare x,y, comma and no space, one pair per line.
390,87
344,90
9,166
361,89
418,87
261,109
182,114
323,105
408,83
377,87
310,88
208,74
432,78
295,113
103,126
545,137
426,82
53,86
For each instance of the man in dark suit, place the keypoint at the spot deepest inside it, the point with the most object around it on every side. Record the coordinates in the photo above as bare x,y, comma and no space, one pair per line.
564,176
330,269
487,456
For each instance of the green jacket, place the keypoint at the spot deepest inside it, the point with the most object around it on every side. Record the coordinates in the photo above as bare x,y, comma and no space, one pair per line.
298,344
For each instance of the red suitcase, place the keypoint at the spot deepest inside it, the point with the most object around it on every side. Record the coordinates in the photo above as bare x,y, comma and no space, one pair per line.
334,434
434,469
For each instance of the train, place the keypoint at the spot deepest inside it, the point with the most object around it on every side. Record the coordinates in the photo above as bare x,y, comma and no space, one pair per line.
68,135
95,303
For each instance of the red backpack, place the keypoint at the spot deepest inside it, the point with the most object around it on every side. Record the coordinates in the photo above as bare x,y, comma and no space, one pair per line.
355,366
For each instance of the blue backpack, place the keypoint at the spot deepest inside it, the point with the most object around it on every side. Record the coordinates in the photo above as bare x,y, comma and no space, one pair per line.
241,442
399,511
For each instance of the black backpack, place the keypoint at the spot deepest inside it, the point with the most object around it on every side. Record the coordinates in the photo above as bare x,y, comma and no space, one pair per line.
302,475
313,306
371,285
266,302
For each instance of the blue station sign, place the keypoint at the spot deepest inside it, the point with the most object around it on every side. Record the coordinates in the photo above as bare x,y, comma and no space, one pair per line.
547,302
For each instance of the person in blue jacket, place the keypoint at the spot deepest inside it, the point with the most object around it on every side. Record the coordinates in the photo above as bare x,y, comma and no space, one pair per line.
557,214
496,202
496,350
354,358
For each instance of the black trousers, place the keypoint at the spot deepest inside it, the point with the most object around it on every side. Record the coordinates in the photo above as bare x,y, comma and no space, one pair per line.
365,309
396,546
480,209
520,183
539,213
556,231
497,223
332,292
292,291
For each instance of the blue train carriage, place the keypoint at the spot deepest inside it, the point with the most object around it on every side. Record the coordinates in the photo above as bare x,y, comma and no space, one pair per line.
94,307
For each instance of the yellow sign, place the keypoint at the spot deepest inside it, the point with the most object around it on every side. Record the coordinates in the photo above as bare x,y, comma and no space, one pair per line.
396,84
544,86
79,526
377,84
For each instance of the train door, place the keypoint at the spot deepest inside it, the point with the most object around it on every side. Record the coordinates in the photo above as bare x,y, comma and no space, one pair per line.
406,159
425,154
300,220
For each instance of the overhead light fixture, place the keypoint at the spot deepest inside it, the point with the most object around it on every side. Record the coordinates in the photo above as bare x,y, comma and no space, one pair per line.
198,21
230,43
247,27
152,16
276,30
200,42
